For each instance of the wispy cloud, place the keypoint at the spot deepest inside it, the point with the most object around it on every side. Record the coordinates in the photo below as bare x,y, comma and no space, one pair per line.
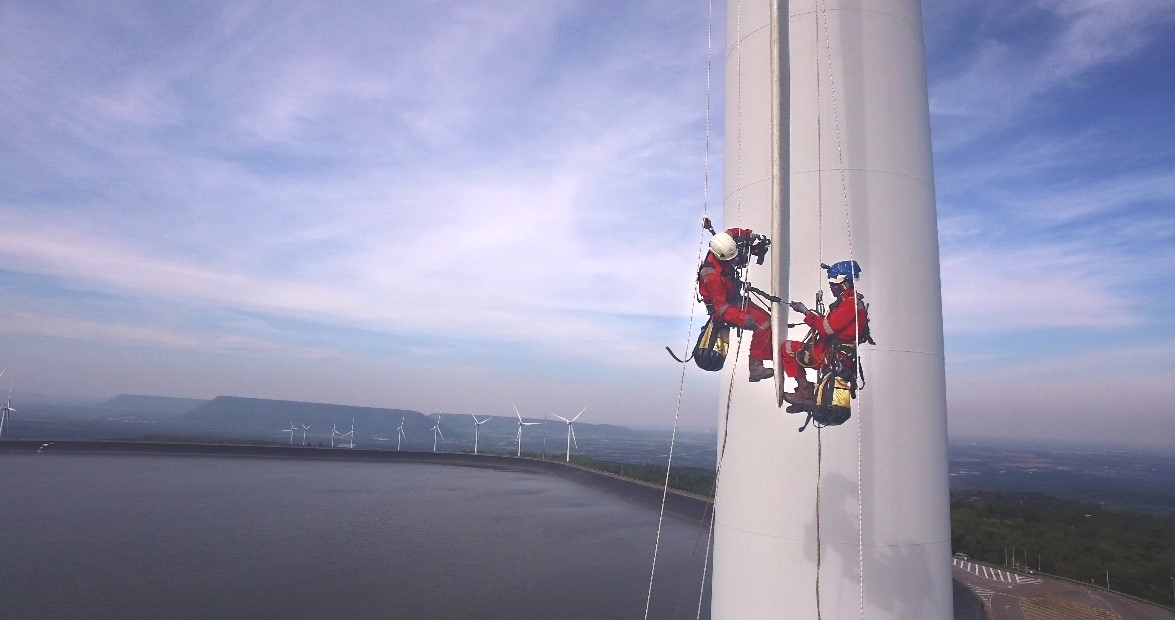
426,182
1019,54
471,195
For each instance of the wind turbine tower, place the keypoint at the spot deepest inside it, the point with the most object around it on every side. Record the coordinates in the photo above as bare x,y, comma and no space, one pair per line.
828,152
4,411
518,436
350,435
436,432
521,424
570,432
305,427
290,430
400,433
334,432
477,429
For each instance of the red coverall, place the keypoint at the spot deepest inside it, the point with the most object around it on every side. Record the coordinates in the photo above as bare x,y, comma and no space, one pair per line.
839,325
720,291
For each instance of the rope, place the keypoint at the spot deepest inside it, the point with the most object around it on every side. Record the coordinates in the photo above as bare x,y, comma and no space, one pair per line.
718,469
692,554
820,255
738,8
690,325
856,323
819,473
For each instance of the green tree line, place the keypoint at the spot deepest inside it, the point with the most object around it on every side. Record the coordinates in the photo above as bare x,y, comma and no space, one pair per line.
696,480
1075,540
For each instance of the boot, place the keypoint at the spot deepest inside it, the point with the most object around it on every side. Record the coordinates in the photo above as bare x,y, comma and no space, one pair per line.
804,396
759,371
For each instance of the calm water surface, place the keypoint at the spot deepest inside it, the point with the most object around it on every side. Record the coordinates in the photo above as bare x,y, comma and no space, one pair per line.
190,536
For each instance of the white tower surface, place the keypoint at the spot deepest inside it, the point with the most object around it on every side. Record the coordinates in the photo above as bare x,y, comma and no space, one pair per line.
861,186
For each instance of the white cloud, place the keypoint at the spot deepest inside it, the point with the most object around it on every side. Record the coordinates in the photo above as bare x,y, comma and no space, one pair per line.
1001,289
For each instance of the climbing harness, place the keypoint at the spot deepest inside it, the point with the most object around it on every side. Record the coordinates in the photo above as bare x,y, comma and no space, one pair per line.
710,350
840,374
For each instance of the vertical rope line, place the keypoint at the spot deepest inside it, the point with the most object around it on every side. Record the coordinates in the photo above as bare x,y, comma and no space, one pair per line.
738,27
819,550
706,515
718,469
819,161
690,325
856,315
820,257
706,565
738,112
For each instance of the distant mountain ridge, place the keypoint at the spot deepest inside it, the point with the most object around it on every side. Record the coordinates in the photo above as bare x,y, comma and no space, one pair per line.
155,404
238,413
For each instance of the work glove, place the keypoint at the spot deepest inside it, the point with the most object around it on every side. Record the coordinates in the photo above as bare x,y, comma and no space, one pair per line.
799,306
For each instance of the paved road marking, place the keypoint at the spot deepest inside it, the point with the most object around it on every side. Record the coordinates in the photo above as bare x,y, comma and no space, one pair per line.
995,574
1045,609
983,593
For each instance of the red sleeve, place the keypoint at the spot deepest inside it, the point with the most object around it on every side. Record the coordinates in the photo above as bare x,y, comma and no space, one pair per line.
840,322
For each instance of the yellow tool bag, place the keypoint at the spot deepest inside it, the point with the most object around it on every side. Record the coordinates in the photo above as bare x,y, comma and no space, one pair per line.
710,351
712,347
833,398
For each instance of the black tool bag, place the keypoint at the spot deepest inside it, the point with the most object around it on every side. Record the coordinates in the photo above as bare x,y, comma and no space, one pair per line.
713,344
833,396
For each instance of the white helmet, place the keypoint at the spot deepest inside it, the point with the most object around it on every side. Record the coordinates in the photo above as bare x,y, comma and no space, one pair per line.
723,246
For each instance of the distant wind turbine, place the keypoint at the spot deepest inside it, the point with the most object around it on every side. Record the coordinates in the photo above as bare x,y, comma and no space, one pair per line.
570,431
305,427
334,432
291,431
518,436
477,429
350,435
436,432
5,410
400,433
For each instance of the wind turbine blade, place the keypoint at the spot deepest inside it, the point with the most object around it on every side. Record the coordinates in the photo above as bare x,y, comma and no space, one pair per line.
517,414
573,440
579,414
561,418
531,423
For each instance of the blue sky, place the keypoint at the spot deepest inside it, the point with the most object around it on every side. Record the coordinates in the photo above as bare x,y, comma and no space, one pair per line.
450,205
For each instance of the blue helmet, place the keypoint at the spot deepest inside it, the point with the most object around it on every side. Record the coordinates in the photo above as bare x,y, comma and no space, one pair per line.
842,271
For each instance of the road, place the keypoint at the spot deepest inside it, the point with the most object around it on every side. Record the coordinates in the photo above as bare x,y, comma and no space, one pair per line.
1008,595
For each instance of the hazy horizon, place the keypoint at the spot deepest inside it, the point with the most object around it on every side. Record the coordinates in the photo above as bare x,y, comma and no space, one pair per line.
1049,442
